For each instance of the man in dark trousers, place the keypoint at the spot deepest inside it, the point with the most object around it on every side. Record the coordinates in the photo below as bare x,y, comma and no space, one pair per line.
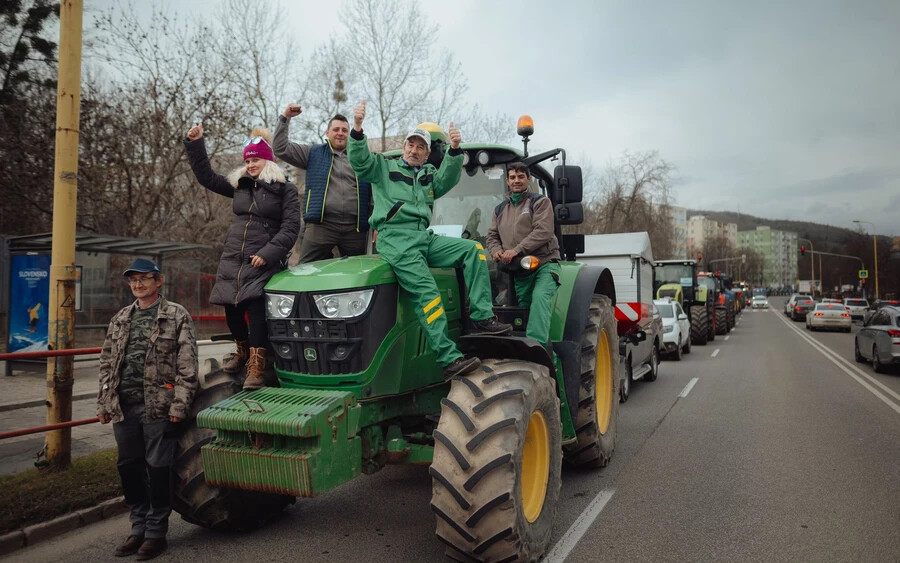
148,377
336,204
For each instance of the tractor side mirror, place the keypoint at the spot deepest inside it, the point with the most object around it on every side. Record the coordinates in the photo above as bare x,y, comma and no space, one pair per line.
569,213
567,179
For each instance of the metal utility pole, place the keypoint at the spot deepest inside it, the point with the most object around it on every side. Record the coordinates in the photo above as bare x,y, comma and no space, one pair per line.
812,263
61,314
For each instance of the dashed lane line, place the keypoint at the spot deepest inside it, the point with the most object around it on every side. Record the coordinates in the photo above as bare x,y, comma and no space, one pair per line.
688,387
573,535
727,337
848,368
715,353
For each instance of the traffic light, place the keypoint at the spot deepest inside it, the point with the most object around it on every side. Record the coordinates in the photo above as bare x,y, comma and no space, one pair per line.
862,282
802,251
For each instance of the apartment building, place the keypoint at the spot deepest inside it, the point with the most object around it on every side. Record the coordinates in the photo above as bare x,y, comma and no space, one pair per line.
779,249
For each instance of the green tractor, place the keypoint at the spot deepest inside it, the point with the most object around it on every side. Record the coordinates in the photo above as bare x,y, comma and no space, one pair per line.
678,279
360,388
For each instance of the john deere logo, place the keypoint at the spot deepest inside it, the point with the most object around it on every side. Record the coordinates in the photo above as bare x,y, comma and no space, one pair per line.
310,354
518,321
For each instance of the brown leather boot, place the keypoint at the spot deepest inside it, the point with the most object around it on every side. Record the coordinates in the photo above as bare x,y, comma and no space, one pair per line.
235,361
130,547
256,365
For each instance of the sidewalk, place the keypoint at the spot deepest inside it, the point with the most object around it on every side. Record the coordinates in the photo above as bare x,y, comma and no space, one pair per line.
22,405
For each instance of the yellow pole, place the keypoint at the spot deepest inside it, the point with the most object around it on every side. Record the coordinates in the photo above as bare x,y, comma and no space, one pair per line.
61,314
821,276
874,251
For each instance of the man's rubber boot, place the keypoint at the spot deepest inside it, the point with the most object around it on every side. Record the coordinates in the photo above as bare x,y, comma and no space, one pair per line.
256,365
460,366
490,326
234,362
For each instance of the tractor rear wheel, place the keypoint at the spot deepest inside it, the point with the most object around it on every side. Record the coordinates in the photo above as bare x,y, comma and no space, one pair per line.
598,396
218,508
497,465
721,321
699,325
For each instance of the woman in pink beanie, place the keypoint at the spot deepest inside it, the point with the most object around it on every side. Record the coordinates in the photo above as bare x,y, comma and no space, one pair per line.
265,228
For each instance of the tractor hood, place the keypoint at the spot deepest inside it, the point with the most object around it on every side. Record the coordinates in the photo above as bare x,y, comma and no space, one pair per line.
335,274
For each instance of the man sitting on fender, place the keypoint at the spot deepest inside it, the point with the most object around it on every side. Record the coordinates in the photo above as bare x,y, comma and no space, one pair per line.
523,226
404,192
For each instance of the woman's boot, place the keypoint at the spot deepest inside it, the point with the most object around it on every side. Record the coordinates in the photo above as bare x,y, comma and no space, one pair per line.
235,361
256,365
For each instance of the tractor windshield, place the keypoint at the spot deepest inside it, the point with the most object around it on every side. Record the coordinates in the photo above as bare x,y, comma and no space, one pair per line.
466,210
680,274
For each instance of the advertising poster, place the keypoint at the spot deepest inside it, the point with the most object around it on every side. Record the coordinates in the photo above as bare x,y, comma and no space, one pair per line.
28,302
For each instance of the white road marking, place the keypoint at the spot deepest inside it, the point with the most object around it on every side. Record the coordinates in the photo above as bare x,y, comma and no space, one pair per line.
727,337
688,387
715,353
581,525
848,368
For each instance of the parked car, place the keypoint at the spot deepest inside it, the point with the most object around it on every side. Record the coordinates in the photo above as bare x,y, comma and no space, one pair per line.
791,303
759,302
802,306
879,339
856,307
829,315
676,328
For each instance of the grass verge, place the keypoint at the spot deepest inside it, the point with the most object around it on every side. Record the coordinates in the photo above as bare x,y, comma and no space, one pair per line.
36,495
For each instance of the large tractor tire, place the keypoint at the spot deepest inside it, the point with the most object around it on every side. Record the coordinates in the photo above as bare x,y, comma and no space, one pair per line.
597,411
497,465
730,318
721,321
699,325
218,508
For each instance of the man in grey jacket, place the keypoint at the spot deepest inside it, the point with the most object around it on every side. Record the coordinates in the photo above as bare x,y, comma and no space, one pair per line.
148,377
336,204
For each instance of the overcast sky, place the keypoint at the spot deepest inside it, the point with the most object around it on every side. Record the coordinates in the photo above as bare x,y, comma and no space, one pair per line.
776,109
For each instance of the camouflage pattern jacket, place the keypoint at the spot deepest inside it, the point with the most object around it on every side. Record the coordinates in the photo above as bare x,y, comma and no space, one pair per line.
170,370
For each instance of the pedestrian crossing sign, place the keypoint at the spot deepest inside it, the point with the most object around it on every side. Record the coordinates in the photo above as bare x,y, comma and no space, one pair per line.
863,274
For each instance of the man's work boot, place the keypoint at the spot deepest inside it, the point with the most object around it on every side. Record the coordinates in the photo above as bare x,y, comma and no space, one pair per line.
235,361
256,365
460,366
151,548
490,326
130,547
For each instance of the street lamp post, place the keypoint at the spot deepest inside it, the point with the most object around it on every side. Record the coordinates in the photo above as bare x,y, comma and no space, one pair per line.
874,250
812,263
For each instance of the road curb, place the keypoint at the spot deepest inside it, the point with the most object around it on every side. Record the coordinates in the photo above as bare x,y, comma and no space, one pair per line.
41,402
36,533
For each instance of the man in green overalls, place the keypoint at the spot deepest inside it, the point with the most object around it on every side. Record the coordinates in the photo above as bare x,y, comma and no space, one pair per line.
523,226
404,192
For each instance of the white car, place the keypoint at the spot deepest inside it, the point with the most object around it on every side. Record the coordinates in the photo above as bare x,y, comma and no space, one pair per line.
828,315
856,306
759,302
676,328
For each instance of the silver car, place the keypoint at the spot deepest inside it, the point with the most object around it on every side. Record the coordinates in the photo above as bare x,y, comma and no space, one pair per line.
879,339
856,306
759,302
829,315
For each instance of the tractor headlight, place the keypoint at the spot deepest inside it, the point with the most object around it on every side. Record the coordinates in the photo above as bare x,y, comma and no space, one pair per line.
279,306
344,305
529,263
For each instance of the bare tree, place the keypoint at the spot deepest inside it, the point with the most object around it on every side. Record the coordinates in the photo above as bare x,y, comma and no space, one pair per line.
387,49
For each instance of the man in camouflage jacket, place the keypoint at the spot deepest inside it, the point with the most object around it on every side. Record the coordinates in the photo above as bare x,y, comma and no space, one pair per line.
148,377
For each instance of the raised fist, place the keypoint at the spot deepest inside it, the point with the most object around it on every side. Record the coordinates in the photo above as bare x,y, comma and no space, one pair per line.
196,132
293,110
359,114
455,137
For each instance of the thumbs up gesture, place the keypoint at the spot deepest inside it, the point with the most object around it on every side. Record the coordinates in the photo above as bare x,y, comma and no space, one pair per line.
196,132
455,137
359,114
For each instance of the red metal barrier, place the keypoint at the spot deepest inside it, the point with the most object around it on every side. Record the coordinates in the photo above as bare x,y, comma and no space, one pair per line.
47,428
49,353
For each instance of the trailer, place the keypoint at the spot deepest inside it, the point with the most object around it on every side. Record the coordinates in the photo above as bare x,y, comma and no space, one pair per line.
629,259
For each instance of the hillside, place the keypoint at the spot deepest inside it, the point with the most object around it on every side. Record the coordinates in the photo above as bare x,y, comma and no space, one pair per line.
828,235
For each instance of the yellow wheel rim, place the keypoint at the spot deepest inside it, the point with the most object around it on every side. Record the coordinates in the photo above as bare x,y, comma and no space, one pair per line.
535,466
603,383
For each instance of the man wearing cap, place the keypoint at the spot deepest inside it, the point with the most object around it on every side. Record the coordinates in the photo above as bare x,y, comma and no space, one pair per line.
405,191
336,204
148,377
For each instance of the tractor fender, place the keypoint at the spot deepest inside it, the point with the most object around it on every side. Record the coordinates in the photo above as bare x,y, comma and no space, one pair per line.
503,347
589,280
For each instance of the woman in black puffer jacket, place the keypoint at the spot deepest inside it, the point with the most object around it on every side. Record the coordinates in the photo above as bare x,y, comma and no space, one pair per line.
265,228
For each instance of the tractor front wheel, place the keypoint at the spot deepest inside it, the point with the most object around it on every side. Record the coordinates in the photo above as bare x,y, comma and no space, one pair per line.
497,465
699,325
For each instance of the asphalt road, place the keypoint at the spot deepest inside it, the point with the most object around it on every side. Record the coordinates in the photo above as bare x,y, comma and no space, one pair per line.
778,448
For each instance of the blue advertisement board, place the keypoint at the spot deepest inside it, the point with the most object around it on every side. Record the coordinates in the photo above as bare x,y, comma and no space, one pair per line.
28,302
